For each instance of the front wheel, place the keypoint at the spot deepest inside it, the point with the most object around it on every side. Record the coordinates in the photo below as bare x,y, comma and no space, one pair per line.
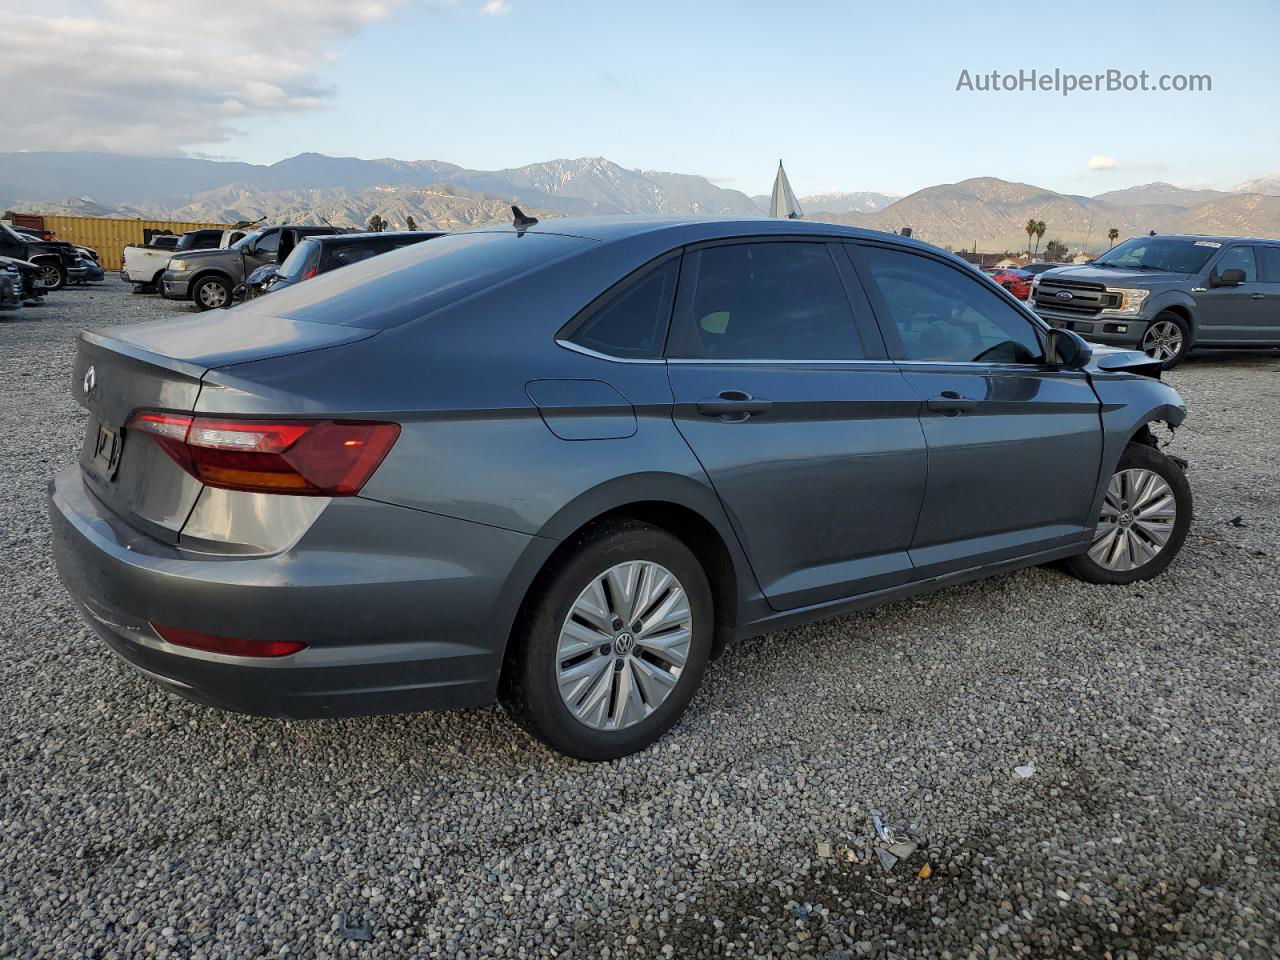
1145,516
615,644
1167,339
53,276
211,293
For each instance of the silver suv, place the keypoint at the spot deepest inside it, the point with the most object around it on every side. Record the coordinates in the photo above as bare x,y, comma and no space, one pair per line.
1167,294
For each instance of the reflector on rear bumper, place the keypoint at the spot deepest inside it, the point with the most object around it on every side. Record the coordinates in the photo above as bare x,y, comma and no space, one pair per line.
232,646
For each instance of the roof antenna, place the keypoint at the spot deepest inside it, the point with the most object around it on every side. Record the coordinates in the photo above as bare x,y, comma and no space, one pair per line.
521,221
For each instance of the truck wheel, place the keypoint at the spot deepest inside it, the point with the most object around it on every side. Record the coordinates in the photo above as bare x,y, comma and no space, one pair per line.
53,276
211,293
1168,338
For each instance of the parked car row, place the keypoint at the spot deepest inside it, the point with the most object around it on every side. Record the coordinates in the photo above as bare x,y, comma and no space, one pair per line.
58,263
1167,295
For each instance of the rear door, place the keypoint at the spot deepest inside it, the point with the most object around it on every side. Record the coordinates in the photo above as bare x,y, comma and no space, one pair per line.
810,436
1014,446
1269,291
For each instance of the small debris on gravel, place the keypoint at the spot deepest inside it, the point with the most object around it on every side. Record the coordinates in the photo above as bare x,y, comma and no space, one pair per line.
1025,770
135,824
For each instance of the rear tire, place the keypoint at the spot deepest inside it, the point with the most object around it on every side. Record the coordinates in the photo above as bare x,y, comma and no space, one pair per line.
53,276
211,293
584,679
1167,339
1145,517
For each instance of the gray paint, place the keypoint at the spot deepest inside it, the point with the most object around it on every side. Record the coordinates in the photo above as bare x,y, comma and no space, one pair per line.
848,491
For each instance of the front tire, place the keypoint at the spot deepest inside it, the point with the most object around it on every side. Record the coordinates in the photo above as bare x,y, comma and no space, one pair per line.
211,293
1167,339
53,276
613,648
1145,516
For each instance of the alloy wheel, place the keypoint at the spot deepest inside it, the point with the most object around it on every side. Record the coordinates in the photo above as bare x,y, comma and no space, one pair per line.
1138,517
1162,341
212,295
49,276
624,645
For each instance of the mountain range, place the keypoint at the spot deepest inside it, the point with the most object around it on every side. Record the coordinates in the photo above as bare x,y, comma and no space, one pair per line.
985,212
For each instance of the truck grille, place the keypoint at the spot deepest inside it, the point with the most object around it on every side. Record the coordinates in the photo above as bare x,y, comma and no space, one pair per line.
1073,298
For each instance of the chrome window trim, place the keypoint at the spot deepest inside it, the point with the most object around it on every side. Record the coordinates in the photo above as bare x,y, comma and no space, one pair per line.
587,351
730,361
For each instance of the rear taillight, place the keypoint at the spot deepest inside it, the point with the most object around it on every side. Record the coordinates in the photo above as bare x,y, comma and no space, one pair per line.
232,646
321,458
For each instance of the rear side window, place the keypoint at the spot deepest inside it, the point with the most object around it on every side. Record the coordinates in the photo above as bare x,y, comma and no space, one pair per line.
350,253
405,284
764,301
1239,258
937,312
1268,264
632,321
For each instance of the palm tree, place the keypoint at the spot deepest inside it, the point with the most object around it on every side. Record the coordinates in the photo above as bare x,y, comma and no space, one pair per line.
1113,235
1031,230
1040,228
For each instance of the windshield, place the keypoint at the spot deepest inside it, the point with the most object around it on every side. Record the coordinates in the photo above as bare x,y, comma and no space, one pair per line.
295,263
247,239
1160,253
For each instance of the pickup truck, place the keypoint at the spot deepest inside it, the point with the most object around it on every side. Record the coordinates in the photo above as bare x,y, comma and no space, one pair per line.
57,261
144,264
1166,294
213,278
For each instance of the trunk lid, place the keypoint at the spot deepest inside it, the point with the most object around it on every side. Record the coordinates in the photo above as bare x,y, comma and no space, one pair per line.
159,366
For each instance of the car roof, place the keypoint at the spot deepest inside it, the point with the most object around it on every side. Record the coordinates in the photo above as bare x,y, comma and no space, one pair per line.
693,229
1205,236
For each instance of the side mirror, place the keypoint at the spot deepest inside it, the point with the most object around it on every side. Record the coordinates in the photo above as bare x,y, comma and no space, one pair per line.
1067,350
1228,278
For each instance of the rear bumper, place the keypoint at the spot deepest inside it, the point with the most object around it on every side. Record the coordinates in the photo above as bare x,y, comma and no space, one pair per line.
413,615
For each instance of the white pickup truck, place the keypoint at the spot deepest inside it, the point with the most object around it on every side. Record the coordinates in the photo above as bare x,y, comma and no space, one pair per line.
144,264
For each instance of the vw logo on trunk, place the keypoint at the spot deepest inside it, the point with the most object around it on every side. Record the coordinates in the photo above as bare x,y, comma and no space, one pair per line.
1065,295
90,381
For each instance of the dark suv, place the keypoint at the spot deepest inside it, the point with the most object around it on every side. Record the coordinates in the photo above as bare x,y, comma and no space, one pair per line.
56,260
1168,294
317,255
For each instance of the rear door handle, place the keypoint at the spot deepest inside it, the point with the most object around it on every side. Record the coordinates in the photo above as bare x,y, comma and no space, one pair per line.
733,406
1258,296
950,402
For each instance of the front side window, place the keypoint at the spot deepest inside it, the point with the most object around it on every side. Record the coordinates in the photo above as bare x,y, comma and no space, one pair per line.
268,244
765,301
632,323
1239,258
940,313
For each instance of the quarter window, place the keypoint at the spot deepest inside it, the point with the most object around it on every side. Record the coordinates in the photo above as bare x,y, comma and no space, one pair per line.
632,323
1239,258
765,301
937,312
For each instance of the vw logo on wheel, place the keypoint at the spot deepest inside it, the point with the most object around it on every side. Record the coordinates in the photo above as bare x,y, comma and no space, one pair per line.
1065,295
623,644
90,381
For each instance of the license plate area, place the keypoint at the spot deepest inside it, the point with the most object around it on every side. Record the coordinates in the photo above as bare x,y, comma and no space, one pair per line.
106,452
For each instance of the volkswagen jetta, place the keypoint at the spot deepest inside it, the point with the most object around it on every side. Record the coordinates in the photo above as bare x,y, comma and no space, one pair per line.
565,464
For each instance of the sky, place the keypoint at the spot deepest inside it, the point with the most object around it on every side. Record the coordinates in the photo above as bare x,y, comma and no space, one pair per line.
851,95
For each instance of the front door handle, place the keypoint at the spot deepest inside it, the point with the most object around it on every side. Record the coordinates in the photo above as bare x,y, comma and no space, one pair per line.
1258,296
951,403
733,406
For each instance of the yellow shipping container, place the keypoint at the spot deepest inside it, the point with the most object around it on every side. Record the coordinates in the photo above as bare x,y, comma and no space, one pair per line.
109,236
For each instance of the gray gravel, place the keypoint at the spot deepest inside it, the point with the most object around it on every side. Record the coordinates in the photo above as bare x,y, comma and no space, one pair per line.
134,824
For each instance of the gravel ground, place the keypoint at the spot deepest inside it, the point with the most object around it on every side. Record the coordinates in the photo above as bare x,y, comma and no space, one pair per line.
135,824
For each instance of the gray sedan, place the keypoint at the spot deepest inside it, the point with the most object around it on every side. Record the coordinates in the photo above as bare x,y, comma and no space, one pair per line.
566,464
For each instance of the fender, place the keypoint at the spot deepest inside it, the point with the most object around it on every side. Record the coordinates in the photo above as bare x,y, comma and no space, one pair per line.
1130,401
1172,298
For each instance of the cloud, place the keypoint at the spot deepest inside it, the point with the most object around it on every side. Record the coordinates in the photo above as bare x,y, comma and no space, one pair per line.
1099,162
496,8
138,76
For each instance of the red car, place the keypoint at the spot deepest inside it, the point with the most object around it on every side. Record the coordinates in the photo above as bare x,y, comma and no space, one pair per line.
1017,282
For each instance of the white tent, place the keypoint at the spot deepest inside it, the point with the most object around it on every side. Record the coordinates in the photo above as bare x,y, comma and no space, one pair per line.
784,202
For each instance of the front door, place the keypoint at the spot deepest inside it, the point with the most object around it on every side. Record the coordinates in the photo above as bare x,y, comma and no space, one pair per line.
1014,445
1236,314
810,436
